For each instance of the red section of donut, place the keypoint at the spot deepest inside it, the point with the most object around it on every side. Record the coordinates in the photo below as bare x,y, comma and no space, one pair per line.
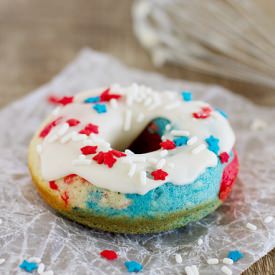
229,176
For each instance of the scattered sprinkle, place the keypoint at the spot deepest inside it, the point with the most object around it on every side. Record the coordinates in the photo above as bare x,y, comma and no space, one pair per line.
213,261
178,258
168,144
63,100
179,133
53,185
79,137
109,255
68,137
108,158
100,108
163,153
41,268
192,140
107,96
227,261
213,144
172,106
133,266
2,260
180,141
203,113
199,148
159,174
226,270
143,177
258,124
161,163
89,129
132,170
63,129
251,226
128,118
200,241
46,130
28,266
268,219
224,157
69,178
88,150
73,122
235,255
93,99
186,96
223,113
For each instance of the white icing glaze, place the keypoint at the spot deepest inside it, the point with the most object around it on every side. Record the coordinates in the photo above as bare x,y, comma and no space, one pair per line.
119,126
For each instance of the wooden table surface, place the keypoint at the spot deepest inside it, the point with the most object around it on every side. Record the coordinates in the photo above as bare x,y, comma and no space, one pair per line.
38,38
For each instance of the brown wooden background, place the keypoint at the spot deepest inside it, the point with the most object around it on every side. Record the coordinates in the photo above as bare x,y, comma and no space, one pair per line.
38,38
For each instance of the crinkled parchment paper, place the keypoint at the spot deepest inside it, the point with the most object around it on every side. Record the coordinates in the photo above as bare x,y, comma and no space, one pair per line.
30,228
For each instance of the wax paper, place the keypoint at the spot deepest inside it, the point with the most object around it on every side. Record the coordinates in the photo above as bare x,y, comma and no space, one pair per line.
30,228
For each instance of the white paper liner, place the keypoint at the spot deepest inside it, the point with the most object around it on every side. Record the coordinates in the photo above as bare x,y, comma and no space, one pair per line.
30,228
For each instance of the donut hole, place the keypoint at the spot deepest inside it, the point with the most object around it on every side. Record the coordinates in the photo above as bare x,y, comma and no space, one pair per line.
150,138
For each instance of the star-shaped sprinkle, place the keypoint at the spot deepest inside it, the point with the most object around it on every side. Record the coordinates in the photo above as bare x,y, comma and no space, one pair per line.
89,129
100,108
65,100
28,266
88,150
93,99
224,157
53,185
106,96
223,113
235,255
159,174
46,130
204,112
118,154
213,144
73,122
180,141
186,96
109,255
168,144
133,266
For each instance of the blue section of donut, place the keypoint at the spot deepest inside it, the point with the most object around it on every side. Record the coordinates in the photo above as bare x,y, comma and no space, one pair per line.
167,198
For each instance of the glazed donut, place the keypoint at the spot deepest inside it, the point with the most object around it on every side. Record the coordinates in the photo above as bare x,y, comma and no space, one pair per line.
133,160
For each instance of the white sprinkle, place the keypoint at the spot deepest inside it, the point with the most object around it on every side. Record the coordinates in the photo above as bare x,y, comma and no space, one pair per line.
41,268
199,148
129,152
172,106
63,129
80,162
168,127
161,163
213,261
228,261
195,269
152,160
113,103
172,165
132,170
148,101
35,259
81,156
179,133
140,117
129,100
178,258
226,270
189,270
52,138
192,140
2,260
128,118
38,148
163,153
56,111
79,137
143,177
50,272
258,124
251,226
200,241
268,219
67,137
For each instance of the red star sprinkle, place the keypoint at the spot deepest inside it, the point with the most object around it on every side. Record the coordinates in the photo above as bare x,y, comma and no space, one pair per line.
224,157
89,129
109,255
159,174
63,100
118,154
88,150
109,159
73,122
53,185
203,113
106,96
46,130
69,178
99,157
168,144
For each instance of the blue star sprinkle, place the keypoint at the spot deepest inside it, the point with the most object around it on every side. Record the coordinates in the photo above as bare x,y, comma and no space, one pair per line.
224,114
235,255
180,141
100,108
133,266
28,266
213,144
93,99
186,96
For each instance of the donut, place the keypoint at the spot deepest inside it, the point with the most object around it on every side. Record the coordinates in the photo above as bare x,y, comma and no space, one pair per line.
132,159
